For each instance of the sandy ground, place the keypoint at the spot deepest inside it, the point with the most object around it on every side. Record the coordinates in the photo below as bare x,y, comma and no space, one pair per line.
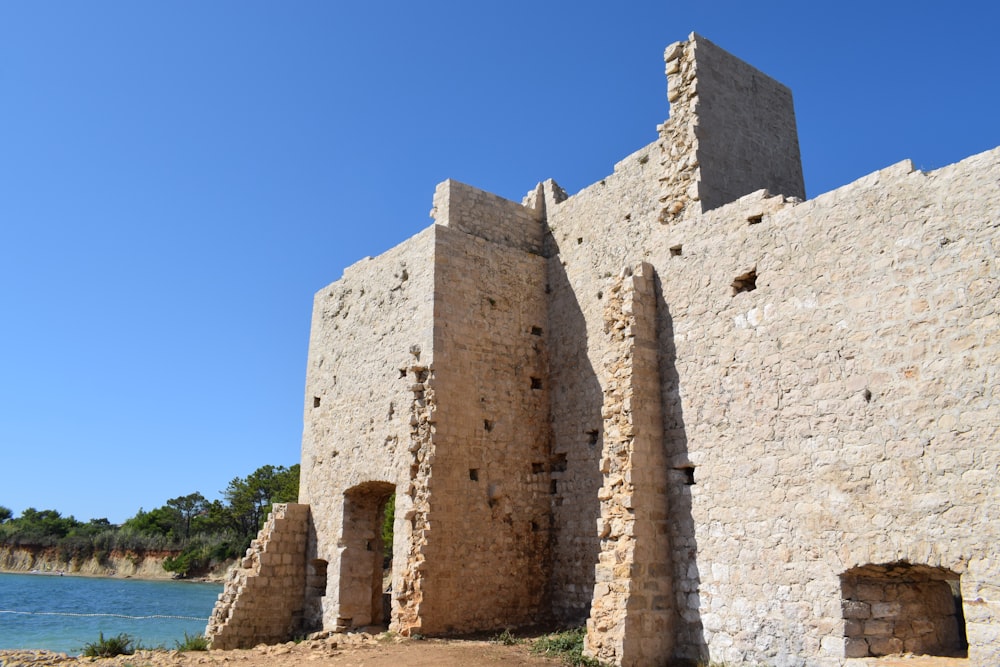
366,652
361,651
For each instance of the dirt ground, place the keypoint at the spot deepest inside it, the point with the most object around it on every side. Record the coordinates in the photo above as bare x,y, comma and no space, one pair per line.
360,651
373,652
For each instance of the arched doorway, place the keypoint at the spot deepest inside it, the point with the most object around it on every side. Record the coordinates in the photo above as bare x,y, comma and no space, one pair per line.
366,555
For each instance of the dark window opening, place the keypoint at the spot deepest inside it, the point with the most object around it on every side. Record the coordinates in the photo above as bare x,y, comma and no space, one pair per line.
746,282
579,240
488,425
537,468
559,463
474,474
316,578
402,372
676,251
553,487
688,472
536,331
592,436
316,401
536,383
755,219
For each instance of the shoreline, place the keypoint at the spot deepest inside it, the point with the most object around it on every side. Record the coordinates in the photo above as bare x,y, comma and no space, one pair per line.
208,579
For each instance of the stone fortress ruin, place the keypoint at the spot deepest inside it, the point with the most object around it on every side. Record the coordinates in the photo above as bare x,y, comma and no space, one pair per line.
707,418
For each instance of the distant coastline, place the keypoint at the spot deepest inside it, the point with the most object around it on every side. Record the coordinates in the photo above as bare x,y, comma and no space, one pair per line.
46,561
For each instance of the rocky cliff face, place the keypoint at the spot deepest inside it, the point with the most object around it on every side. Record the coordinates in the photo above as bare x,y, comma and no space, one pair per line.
147,565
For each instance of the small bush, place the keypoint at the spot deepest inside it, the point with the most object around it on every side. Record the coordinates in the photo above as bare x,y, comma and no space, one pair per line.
108,648
193,643
505,638
567,645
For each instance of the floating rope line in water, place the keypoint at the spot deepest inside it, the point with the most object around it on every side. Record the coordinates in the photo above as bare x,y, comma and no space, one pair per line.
134,618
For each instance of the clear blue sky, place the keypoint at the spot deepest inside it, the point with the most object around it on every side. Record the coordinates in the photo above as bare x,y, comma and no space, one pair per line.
178,178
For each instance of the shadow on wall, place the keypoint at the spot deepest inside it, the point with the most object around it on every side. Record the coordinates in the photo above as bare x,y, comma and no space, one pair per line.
576,400
690,643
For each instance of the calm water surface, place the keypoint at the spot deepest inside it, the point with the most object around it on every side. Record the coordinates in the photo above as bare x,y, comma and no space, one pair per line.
64,613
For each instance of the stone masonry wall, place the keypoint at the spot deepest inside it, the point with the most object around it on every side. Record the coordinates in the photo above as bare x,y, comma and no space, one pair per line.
363,365
745,129
827,387
262,600
593,235
731,131
848,262
632,617
490,490
838,414
901,608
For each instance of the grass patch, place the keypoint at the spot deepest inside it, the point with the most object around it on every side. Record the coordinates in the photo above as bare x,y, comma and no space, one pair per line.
506,638
109,647
192,643
567,645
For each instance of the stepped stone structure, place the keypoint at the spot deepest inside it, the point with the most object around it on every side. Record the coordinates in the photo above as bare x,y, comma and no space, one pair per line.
707,418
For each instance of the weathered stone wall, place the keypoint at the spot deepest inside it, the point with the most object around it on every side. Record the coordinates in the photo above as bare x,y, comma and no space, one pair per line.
731,131
757,404
825,371
371,337
745,130
596,234
901,608
489,492
262,601
388,394
840,413
631,618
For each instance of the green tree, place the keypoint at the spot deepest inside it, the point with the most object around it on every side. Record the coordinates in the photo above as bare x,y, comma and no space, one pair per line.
163,521
45,523
5,513
250,499
188,507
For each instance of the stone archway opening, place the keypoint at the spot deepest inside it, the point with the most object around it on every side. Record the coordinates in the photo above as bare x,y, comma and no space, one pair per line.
366,556
903,608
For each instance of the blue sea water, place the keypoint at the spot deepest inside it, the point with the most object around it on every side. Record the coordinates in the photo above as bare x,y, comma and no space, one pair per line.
65,613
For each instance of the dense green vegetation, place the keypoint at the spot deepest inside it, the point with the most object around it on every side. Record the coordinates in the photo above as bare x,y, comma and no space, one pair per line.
197,532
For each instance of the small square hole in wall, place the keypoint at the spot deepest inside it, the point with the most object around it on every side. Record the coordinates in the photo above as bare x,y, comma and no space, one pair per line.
746,282
537,468
536,331
316,401
559,463
553,487
592,436
402,372
676,251
487,425
688,472
579,240
755,219
536,383
474,474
